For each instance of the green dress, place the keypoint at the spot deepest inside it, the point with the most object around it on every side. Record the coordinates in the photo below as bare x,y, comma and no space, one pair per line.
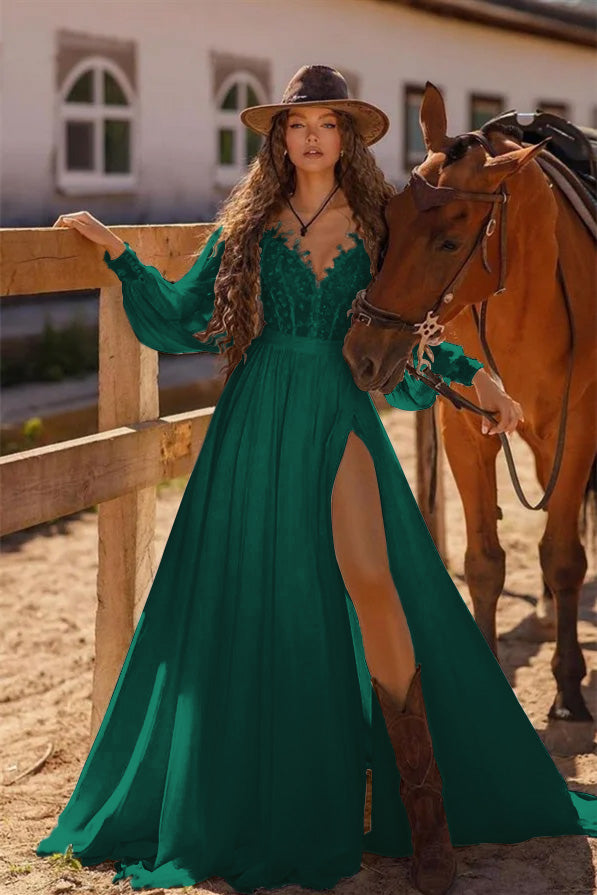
237,737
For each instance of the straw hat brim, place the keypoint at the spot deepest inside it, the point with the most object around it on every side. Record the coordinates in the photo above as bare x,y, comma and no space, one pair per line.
370,121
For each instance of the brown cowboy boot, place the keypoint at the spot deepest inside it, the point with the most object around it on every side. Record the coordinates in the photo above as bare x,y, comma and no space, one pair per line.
433,869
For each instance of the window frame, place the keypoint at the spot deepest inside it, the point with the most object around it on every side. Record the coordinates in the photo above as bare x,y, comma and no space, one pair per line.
409,161
229,119
474,97
96,180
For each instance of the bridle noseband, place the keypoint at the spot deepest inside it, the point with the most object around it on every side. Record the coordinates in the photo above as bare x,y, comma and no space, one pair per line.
425,196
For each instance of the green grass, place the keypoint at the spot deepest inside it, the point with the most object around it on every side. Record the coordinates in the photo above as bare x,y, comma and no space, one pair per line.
66,859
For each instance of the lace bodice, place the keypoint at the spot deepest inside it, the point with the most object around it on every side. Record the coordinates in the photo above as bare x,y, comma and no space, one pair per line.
295,300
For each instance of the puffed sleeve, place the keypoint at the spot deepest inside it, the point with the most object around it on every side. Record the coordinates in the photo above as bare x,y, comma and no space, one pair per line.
449,361
411,393
164,315
452,364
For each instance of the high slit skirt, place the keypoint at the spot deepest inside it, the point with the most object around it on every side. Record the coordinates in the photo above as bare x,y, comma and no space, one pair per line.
237,739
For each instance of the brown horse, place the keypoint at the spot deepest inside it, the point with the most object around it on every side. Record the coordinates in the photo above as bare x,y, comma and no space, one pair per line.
432,243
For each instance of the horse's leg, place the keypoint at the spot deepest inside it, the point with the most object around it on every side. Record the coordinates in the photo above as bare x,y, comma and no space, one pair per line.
540,625
546,613
564,565
472,461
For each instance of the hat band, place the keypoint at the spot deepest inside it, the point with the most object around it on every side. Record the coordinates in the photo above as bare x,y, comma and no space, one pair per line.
310,98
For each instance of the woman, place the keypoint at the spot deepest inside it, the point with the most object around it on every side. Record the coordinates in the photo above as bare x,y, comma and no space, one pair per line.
299,578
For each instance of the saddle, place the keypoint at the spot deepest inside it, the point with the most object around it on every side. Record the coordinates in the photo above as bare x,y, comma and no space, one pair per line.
570,160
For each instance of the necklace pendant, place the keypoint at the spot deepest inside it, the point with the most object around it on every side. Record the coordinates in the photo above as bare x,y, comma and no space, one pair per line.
304,226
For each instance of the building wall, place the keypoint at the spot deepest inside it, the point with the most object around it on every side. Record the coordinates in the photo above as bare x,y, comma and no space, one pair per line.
174,55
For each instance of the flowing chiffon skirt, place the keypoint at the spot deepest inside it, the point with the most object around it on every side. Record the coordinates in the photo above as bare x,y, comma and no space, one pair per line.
238,735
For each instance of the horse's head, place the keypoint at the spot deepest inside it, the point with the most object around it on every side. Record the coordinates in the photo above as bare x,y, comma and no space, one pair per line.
437,256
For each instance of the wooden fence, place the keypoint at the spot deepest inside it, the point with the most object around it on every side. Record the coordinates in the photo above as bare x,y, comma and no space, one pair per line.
134,449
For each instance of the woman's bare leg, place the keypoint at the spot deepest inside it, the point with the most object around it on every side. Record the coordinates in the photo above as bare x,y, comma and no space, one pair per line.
361,552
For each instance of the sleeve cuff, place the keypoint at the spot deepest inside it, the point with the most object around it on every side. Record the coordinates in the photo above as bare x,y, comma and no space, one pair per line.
127,265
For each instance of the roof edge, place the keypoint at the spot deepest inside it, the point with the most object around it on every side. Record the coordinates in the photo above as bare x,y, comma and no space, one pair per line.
577,27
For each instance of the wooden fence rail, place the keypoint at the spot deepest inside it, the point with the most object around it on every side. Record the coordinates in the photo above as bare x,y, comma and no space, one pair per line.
119,467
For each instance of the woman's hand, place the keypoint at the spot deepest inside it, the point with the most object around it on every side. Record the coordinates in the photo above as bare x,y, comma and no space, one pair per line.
92,229
493,398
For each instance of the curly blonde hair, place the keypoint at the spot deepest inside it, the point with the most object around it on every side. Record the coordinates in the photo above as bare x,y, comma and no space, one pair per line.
247,211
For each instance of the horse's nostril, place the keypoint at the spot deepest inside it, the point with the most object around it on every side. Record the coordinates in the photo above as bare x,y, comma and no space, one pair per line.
366,368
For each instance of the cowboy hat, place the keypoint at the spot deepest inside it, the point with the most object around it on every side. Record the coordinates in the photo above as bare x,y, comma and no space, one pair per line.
315,85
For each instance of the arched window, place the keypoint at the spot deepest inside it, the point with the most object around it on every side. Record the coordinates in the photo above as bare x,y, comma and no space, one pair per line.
95,128
236,144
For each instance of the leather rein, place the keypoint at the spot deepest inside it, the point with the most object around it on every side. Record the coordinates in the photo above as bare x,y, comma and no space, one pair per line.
430,330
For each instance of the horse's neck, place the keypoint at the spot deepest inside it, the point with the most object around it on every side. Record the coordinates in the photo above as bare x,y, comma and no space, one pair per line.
527,325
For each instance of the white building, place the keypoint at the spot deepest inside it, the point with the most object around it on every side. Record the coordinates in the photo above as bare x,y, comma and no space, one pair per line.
129,108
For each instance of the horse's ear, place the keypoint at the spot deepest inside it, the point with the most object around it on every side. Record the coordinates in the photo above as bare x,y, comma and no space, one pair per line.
432,118
510,162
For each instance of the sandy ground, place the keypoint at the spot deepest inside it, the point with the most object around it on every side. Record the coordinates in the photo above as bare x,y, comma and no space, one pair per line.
48,610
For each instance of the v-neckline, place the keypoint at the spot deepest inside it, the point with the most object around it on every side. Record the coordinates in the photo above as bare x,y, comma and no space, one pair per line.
301,253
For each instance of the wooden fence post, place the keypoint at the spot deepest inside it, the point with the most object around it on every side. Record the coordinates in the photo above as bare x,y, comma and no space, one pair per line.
128,393
424,451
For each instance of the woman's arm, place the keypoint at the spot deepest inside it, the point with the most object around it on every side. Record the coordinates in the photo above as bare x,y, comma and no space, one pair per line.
165,315
452,364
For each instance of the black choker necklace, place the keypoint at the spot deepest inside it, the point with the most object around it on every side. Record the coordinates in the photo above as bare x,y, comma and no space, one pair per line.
302,223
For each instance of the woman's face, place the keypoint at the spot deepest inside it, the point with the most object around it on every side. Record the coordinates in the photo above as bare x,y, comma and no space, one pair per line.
313,128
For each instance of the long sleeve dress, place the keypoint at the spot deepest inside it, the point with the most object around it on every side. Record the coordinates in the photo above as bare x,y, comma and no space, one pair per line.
239,733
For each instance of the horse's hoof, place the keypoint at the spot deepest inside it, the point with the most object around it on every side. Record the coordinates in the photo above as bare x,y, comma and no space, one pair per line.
569,737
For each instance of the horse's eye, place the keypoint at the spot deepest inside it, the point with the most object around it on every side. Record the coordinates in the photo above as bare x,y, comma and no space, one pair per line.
448,245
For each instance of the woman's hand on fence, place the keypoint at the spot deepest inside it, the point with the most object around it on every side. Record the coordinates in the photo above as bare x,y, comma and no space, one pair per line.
92,229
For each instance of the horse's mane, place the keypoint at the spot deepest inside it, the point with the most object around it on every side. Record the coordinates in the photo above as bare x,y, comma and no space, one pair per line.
462,142
511,130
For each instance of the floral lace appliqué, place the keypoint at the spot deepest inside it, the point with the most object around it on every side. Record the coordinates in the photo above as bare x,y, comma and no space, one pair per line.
305,254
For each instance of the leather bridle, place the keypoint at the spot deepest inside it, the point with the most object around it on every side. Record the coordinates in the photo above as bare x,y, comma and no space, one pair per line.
430,330
426,196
